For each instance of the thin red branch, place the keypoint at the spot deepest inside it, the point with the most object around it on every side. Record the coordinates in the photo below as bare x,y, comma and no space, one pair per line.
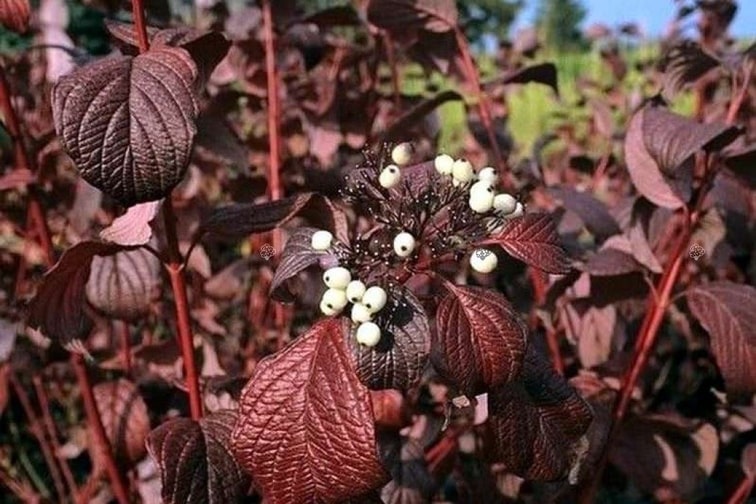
95,423
140,25
744,489
274,139
20,489
183,318
35,427
52,434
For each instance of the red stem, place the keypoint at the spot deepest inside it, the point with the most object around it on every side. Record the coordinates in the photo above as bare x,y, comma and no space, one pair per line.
52,434
740,496
274,138
183,320
484,106
140,25
95,422
35,427
125,337
20,489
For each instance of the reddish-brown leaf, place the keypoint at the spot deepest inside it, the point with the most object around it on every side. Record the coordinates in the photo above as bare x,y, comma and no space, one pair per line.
123,285
195,460
399,16
657,144
128,122
14,15
541,73
305,429
479,341
398,360
591,211
537,422
611,262
398,129
728,312
125,419
57,310
683,64
533,239
297,256
133,227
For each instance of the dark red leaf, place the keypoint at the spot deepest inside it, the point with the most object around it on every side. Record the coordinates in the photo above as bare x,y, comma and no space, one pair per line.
125,419
537,422
58,308
242,219
196,464
593,212
479,341
683,64
742,162
541,73
297,256
611,262
398,360
657,144
128,123
124,285
133,227
15,14
305,430
398,16
728,312
533,239
339,15
406,121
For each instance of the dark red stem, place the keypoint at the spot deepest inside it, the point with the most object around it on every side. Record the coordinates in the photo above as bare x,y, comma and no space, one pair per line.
95,423
744,489
140,25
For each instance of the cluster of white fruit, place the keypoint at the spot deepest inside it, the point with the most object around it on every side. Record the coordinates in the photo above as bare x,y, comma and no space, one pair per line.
391,174
342,290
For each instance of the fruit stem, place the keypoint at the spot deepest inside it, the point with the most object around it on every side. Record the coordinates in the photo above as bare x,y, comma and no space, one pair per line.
95,422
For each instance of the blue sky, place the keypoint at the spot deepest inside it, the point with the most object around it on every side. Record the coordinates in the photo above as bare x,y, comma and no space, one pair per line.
652,15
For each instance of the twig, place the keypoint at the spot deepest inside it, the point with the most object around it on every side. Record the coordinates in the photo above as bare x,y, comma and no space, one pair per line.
52,434
741,493
183,320
125,336
21,489
35,427
274,140
101,438
140,25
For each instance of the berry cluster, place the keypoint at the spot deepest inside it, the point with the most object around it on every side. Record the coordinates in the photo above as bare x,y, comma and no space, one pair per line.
401,155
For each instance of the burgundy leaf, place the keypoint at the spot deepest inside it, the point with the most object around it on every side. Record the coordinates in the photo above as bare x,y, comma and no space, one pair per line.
133,227
668,456
592,328
128,123
537,422
479,341
398,129
398,16
125,419
541,73
683,64
297,256
728,312
15,14
196,464
58,308
124,285
398,360
611,262
533,239
339,15
741,163
593,212
657,144
305,430
242,219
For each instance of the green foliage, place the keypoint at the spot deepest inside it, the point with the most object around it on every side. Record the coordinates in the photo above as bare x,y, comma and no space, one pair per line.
558,22
488,17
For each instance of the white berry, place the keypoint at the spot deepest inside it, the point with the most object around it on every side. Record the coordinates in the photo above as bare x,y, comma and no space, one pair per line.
355,290
444,164
402,153
482,186
327,310
361,313
505,203
481,201
483,260
337,278
389,176
321,240
518,211
335,299
404,244
462,170
488,174
368,334
375,299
